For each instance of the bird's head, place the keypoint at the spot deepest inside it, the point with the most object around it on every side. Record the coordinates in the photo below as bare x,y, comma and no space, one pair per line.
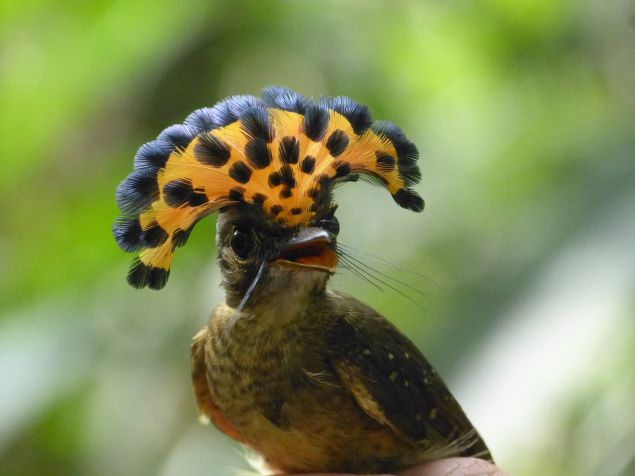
269,167
260,258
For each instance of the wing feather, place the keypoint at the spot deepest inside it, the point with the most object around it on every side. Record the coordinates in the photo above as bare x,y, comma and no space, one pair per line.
394,384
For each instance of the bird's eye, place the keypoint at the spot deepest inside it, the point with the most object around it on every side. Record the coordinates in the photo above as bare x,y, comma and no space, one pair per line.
241,243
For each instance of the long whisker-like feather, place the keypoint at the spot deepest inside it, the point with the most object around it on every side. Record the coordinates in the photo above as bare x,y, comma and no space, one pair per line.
369,275
387,276
252,286
387,262
358,273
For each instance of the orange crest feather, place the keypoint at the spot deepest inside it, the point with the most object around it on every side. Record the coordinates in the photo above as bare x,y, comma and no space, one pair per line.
282,154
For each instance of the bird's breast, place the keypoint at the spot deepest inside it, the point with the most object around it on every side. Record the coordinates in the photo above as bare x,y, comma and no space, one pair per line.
254,370
281,395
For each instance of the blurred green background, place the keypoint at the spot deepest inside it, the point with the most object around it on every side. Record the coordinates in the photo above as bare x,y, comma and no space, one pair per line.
524,115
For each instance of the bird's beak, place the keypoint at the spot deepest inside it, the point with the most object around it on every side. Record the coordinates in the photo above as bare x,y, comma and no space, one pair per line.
310,248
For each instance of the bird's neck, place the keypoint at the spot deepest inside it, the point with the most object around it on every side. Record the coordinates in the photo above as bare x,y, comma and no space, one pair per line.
280,299
278,321
280,310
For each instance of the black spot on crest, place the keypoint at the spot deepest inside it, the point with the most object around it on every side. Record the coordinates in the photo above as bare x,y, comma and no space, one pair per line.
240,172
153,235
274,179
295,211
178,135
137,191
152,155
286,192
408,198
276,210
342,168
258,153
211,150
237,194
255,123
315,122
180,237
258,199
202,119
385,162
314,192
337,142
287,177
357,114
180,192
323,180
142,275
289,150
308,164
127,233
407,153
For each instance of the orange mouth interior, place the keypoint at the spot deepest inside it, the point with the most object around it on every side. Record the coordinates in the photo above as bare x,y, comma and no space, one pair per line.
313,254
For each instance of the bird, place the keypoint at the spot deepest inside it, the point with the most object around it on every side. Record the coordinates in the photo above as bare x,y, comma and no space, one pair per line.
309,378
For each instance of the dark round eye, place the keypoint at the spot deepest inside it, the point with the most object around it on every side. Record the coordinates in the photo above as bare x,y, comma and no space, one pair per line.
330,224
241,243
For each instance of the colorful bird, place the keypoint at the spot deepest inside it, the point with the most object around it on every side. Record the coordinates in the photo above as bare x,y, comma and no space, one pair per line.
312,379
